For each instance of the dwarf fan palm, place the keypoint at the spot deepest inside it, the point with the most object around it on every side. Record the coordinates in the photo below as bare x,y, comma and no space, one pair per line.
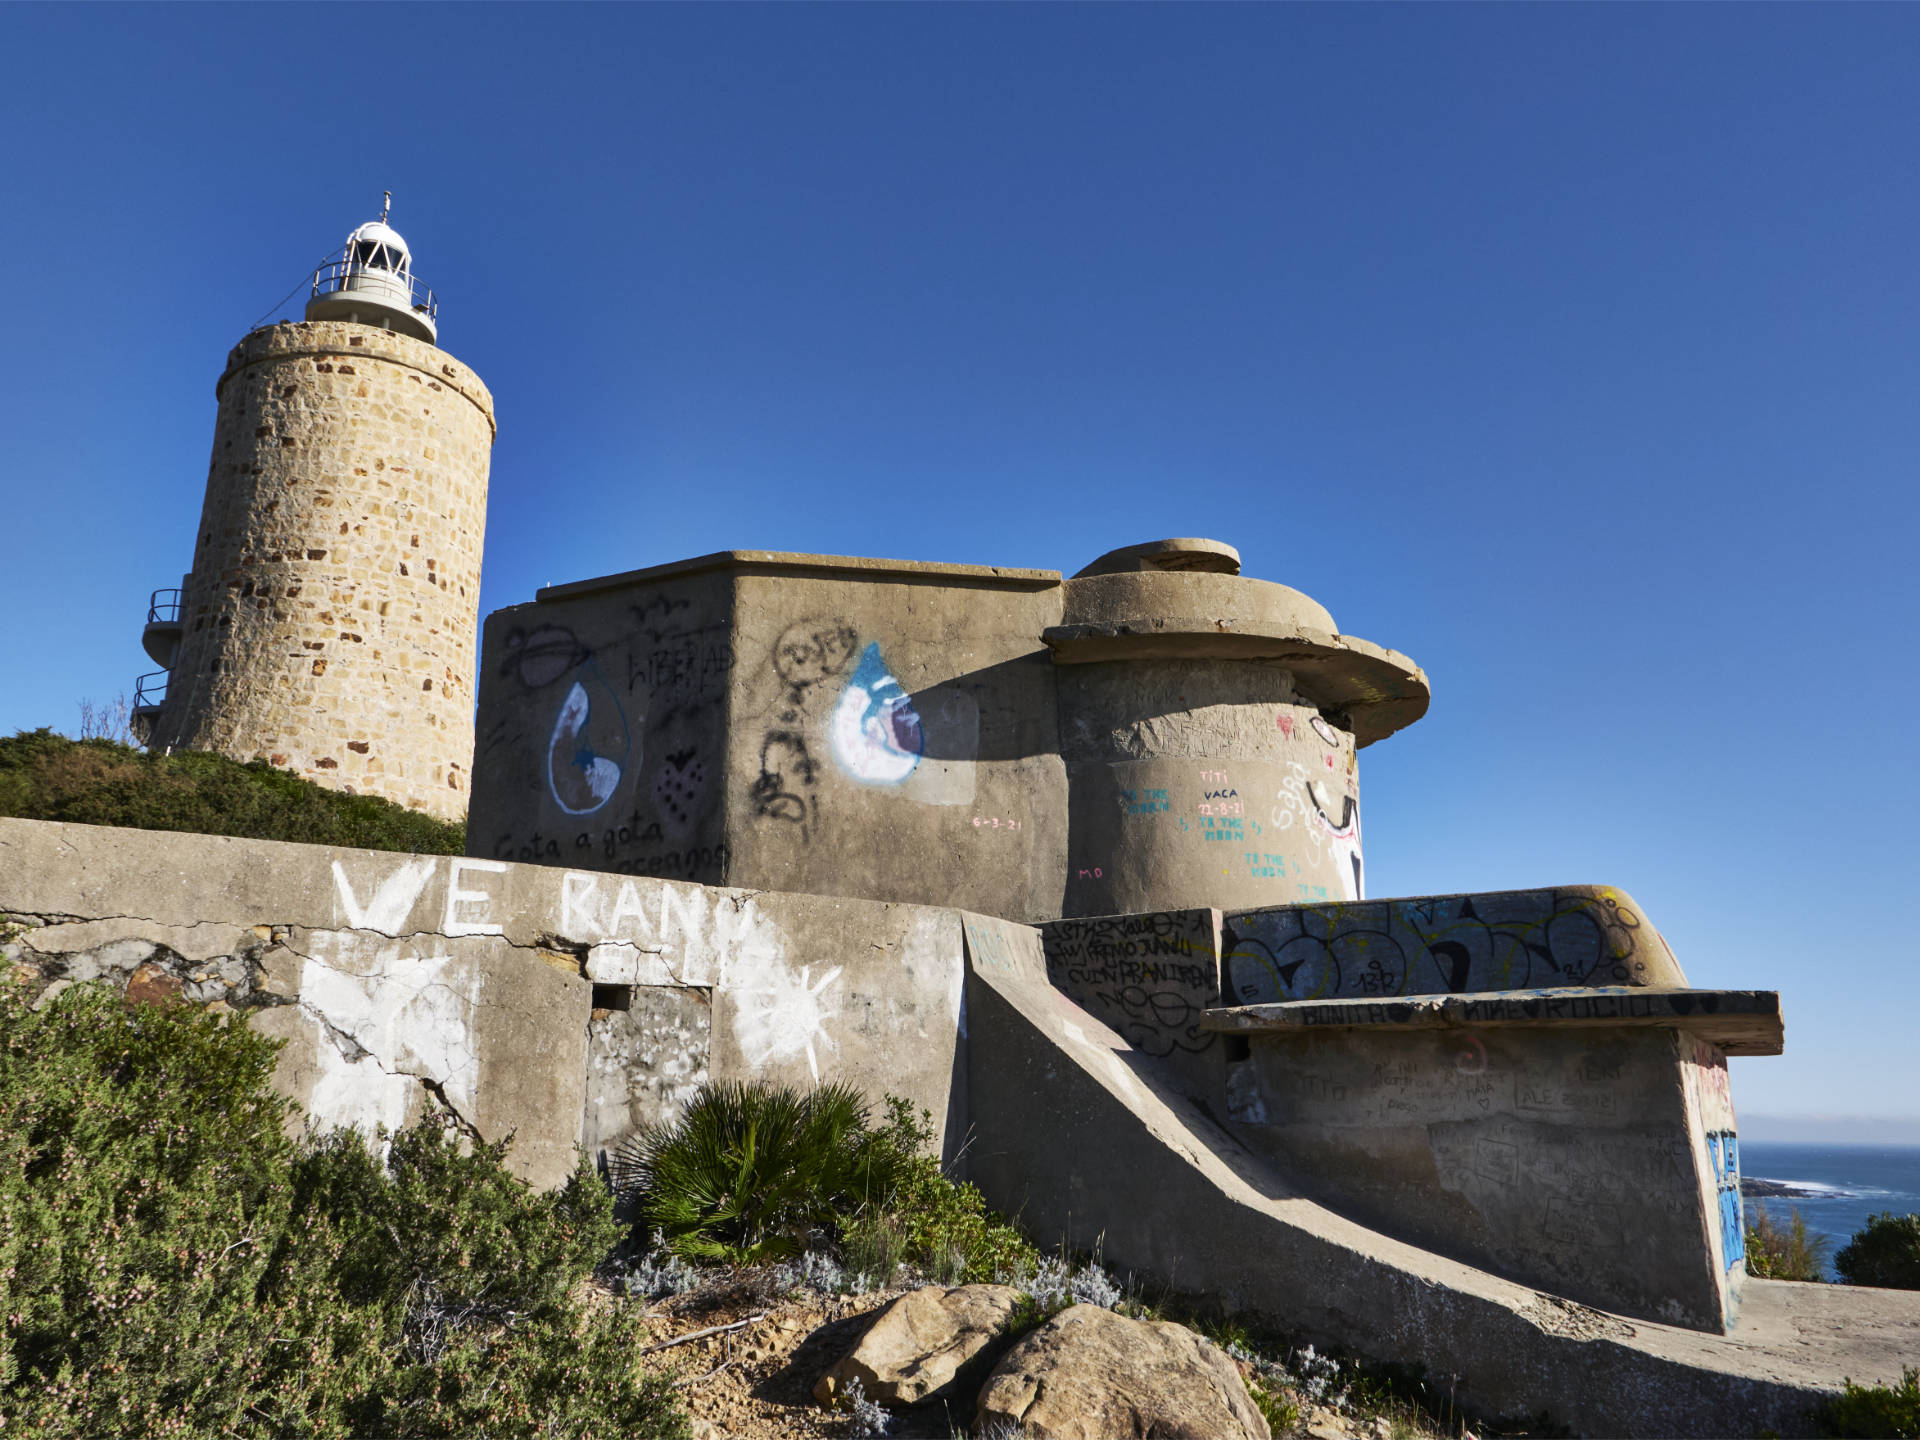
750,1168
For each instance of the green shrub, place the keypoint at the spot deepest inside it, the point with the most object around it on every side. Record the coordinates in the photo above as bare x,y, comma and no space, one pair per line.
948,1228
1875,1412
1885,1253
751,1171
756,1172
1776,1252
44,776
171,1263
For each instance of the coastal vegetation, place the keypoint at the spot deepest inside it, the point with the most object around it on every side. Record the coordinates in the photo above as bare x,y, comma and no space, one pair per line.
1784,1252
99,781
170,1263
1885,1253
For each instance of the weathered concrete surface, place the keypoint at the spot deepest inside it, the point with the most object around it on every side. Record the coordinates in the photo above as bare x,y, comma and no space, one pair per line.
453,969
878,729
933,734
644,1062
1089,1374
1153,979
1559,1158
1737,1022
1087,1140
1585,935
1204,781
929,1345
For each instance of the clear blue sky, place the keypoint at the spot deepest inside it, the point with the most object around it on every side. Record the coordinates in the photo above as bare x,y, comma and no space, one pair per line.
1574,351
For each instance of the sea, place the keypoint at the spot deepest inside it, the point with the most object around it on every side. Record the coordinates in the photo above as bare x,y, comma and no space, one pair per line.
1835,1187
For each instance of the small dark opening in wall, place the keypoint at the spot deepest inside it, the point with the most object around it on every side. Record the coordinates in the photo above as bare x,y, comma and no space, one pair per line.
613,997
1237,1047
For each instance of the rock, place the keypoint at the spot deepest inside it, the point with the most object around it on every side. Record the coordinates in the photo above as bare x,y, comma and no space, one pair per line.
926,1345
1091,1374
152,985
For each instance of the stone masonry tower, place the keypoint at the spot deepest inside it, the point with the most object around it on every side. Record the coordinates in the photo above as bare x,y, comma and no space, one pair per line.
329,622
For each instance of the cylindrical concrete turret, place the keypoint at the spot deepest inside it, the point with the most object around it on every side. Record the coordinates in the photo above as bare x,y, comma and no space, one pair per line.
330,620
1210,726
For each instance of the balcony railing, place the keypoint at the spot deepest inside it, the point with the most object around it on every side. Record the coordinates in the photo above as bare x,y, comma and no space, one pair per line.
150,692
387,286
164,608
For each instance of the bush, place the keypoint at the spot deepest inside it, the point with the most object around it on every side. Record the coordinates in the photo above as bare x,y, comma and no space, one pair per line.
1885,1253
751,1171
44,776
1776,1252
171,1263
947,1227
1875,1412
756,1172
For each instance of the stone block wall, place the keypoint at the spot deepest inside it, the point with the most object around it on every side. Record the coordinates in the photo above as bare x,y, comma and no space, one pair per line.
331,613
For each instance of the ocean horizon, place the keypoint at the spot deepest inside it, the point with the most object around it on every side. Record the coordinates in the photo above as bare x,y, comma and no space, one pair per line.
1834,1187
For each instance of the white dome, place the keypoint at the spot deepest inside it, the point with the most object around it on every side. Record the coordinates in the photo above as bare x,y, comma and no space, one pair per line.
379,244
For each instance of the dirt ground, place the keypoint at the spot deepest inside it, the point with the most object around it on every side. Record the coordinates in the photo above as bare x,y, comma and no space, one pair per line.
756,1382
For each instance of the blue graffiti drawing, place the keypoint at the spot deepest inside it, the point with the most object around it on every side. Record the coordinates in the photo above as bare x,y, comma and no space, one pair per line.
589,743
1724,1149
875,730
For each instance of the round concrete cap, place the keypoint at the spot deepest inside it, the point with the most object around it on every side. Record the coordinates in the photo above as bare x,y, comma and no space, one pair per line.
1146,612
1213,556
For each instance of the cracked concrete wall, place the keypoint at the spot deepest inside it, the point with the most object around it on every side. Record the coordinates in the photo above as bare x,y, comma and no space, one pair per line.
395,977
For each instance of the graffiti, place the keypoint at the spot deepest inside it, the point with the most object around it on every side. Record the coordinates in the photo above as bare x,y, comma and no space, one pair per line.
1723,1148
1343,839
680,666
1304,806
1517,940
678,789
1285,722
1150,977
782,790
994,822
875,731
1325,731
393,898
807,653
539,657
782,1015
1471,1058
587,749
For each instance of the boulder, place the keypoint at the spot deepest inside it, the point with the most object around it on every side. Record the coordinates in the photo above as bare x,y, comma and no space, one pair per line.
1090,1374
926,1345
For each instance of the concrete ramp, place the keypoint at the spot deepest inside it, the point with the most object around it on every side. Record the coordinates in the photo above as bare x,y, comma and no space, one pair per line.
1088,1141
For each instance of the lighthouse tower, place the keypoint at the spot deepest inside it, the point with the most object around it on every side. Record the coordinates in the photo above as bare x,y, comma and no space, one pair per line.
328,624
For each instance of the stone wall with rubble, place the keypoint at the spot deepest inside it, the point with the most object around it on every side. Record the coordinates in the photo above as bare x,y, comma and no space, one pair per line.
331,614
562,1007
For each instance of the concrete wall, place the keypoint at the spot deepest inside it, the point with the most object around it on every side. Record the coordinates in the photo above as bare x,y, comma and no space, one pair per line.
329,618
873,729
934,734
1092,1143
1151,979
492,985
1498,940
1559,1157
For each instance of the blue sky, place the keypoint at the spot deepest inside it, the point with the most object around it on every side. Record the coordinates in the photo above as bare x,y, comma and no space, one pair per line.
1570,350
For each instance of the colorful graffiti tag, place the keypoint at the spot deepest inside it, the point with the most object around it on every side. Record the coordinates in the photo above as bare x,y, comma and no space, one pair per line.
875,731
